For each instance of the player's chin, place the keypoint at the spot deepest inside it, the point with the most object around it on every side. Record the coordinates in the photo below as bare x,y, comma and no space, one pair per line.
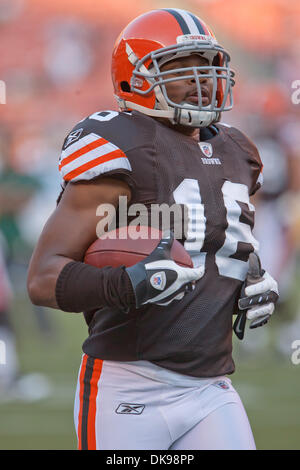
195,102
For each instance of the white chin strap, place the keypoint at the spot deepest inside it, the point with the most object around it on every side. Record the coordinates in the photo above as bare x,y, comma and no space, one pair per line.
176,116
185,117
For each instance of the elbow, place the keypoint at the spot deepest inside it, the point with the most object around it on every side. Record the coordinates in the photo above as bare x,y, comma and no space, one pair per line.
34,291
41,283
38,289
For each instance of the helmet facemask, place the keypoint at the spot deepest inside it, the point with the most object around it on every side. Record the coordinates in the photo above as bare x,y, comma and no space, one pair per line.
217,70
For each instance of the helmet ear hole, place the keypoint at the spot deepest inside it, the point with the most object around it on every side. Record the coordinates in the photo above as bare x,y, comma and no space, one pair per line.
125,87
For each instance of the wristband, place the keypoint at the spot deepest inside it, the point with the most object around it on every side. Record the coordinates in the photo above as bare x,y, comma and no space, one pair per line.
82,287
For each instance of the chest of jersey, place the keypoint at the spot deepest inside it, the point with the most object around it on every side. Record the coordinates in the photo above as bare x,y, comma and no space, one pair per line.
201,191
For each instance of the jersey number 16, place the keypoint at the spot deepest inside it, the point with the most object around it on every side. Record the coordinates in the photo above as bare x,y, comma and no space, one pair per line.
189,193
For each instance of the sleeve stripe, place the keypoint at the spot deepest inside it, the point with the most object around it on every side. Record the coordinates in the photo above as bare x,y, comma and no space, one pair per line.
100,151
95,162
82,151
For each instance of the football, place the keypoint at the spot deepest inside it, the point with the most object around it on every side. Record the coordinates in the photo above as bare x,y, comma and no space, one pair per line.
129,245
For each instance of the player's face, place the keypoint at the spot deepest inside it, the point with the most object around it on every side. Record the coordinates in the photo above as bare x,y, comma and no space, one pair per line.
186,90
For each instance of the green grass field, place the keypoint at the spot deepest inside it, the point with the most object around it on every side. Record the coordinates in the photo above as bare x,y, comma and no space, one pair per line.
269,388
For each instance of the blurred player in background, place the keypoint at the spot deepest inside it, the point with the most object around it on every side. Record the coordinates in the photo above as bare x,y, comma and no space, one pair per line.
276,217
16,190
155,364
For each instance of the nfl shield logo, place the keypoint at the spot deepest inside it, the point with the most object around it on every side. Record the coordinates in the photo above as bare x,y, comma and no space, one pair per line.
158,280
222,384
206,149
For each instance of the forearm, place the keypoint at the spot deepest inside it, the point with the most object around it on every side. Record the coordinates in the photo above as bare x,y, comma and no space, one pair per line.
73,286
42,279
81,287
67,235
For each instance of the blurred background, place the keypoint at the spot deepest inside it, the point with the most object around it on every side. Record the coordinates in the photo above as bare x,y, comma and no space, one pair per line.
55,62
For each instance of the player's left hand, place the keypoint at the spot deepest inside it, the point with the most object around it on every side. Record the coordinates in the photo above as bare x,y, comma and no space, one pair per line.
260,299
259,295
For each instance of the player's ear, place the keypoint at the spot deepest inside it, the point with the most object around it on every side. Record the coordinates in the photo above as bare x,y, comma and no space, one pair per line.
125,86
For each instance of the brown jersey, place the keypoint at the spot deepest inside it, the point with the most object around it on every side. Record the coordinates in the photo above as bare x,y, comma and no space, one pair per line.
213,180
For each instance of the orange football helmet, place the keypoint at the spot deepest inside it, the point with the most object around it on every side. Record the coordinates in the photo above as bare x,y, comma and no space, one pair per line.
155,38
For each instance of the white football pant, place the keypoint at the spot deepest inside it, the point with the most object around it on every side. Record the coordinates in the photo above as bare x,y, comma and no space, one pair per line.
140,406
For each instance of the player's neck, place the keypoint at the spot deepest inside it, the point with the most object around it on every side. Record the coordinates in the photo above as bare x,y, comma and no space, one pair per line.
188,131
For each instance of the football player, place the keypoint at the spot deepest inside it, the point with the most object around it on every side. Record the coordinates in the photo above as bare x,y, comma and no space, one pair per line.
154,373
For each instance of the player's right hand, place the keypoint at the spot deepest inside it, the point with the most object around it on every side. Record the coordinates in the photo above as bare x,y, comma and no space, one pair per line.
158,279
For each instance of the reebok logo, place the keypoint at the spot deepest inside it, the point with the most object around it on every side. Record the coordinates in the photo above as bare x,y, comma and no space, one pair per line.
130,409
72,137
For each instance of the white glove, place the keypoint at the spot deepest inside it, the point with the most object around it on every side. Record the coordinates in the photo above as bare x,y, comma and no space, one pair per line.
259,295
263,295
158,279
260,299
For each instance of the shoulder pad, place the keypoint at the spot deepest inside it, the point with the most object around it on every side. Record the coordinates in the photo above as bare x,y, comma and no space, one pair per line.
241,139
250,151
94,147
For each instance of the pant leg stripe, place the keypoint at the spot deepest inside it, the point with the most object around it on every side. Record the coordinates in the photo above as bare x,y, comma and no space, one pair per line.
92,444
86,401
81,392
